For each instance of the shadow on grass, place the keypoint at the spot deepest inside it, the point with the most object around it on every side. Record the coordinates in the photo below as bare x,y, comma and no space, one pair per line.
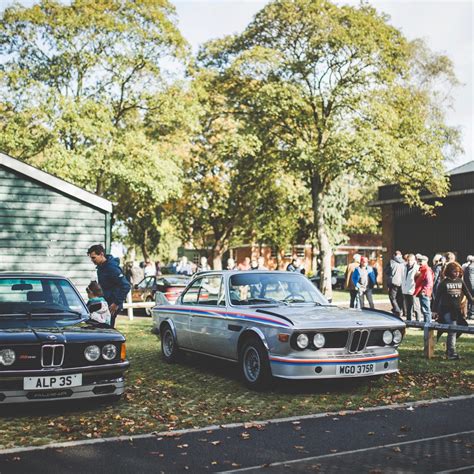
207,365
55,408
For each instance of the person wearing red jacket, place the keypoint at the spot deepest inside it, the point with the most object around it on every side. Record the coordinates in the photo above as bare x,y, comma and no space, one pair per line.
424,287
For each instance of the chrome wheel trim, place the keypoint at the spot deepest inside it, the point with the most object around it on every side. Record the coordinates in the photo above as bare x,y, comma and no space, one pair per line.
252,364
168,343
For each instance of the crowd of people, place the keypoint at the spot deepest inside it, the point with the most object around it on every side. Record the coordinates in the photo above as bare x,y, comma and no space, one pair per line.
419,291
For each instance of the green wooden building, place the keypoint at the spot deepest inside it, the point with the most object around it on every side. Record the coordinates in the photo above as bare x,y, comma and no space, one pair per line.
47,224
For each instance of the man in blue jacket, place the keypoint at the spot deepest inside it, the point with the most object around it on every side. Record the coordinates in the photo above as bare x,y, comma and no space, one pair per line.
111,279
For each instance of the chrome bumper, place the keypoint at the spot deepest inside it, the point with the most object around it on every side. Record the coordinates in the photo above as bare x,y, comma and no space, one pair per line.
327,368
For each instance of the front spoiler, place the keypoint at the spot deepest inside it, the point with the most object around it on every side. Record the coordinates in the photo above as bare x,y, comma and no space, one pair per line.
327,368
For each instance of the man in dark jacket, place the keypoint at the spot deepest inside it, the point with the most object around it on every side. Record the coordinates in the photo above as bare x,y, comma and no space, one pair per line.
394,273
111,279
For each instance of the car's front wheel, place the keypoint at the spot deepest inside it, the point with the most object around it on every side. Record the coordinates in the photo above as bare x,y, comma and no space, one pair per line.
169,346
255,365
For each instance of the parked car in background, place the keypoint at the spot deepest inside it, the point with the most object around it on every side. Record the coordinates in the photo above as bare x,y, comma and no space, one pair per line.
169,286
276,324
337,279
49,348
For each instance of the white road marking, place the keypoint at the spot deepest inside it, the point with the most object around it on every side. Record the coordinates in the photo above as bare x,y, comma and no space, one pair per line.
67,444
459,469
355,451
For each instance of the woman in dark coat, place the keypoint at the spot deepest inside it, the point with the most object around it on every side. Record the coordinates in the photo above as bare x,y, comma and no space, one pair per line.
448,303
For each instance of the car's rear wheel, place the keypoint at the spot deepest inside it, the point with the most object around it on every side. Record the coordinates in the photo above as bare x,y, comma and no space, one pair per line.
255,365
169,346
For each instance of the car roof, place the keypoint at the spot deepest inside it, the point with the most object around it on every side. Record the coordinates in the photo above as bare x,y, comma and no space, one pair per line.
30,274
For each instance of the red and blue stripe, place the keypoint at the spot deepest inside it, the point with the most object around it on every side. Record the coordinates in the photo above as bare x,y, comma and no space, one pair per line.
233,314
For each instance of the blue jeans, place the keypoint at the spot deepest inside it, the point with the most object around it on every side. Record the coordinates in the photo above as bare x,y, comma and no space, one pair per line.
451,341
425,305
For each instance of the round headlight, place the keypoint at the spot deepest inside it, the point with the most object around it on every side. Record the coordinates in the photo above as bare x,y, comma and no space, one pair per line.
397,336
302,341
7,357
92,353
387,337
109,351
319,340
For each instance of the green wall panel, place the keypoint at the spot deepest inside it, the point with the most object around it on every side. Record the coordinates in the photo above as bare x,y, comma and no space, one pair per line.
43,230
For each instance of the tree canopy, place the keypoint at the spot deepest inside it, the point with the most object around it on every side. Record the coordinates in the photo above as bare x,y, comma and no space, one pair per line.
277,134
81,86
339,87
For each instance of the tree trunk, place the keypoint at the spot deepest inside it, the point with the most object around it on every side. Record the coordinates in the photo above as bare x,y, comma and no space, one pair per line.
144,246
218,251
325,249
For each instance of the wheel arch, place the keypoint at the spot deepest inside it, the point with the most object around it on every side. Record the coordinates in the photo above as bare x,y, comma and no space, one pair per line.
170,323
252,332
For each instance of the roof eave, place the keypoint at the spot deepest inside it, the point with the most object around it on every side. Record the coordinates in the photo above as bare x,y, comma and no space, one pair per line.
55,183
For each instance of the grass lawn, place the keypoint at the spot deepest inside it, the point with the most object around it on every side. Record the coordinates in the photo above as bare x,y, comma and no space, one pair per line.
341,296
201,391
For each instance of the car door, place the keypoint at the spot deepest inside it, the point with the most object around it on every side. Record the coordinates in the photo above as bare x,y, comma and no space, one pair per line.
208,323
139,290
181,314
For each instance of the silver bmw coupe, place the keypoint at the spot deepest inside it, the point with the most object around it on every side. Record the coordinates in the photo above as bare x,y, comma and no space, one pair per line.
276,324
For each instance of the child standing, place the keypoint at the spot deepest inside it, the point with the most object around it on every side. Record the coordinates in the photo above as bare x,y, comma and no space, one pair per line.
97,305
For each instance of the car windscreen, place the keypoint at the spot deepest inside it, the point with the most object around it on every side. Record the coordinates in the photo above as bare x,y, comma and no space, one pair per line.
170,281
269,288
39,297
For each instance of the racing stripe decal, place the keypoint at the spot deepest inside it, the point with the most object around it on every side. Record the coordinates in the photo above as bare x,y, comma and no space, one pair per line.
231,314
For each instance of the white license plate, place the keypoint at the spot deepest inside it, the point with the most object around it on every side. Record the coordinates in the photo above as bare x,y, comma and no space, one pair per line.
355,369
54,381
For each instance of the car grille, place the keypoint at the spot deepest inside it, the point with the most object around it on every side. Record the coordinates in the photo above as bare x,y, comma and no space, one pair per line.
75,355
375,338
52,355
28,357
335,339
359,340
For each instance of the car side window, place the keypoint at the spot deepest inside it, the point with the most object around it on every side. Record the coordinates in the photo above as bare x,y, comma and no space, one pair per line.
207,290
144,283
211,293
192,293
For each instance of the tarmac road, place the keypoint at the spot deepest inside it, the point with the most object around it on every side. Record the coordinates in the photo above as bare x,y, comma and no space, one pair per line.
436,436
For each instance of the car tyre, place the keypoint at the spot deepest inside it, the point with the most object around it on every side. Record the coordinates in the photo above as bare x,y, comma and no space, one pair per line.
169,346
255,365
